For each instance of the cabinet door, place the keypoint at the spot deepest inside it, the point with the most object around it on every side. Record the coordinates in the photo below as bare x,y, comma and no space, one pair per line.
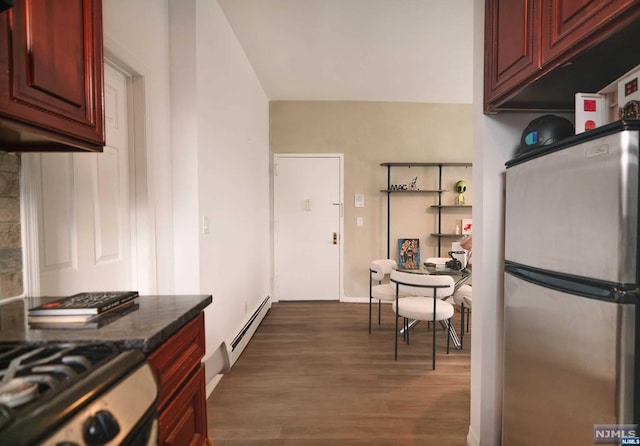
177,357
511,46
51,60
184,421
569,26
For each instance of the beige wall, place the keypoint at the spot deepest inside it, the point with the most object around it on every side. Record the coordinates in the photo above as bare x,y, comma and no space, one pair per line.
370,133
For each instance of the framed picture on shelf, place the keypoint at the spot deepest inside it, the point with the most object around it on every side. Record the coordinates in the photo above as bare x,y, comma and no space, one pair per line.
408,253
467,226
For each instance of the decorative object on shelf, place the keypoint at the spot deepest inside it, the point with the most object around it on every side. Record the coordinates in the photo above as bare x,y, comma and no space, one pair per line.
438,191
629,95
461,188
454,263
467,244
459,253
410,186
631,110
467,225
408,253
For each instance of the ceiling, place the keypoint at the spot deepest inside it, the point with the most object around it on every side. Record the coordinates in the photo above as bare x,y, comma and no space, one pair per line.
358,50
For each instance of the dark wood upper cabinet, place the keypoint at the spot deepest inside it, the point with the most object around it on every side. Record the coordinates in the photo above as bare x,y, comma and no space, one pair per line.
570,24
539,53
51,76
512,44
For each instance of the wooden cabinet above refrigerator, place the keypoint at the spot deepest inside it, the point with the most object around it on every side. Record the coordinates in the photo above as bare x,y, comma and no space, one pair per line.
51,76
539,53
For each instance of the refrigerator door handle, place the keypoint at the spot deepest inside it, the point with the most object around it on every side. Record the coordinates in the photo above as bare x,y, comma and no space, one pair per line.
581,286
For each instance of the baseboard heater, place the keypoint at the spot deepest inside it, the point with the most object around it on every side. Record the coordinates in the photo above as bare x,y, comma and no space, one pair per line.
236,346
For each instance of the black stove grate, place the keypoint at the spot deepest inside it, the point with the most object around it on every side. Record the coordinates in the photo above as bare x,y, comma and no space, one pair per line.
31,374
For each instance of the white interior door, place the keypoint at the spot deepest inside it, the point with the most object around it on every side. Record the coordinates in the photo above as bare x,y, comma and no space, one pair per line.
307,212
84,211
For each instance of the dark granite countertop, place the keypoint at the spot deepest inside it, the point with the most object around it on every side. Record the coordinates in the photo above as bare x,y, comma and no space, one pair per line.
143,326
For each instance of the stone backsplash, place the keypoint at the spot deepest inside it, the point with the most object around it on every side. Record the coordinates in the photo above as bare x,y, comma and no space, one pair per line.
11,281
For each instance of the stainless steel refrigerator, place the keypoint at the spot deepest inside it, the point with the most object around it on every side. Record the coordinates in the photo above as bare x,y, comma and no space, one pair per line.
571,339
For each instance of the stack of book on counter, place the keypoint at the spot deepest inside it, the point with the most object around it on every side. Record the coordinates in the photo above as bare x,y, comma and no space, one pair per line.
82,310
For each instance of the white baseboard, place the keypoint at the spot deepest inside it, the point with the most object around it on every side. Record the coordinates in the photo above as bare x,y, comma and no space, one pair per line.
236,345
472,438
213,383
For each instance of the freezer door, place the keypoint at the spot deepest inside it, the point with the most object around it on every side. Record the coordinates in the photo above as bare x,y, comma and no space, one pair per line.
575,211
568,364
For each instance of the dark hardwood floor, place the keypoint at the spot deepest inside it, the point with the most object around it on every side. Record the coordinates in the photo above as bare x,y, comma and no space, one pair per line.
313,376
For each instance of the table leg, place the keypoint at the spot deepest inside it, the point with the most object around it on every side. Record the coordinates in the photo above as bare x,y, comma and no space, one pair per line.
452,332
453,335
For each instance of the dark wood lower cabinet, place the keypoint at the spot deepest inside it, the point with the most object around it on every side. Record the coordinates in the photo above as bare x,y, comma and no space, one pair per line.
182,401
184,420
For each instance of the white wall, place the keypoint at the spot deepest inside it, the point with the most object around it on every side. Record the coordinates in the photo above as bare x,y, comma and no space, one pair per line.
137,34
184,143
233,154
496,138
220,137
207,132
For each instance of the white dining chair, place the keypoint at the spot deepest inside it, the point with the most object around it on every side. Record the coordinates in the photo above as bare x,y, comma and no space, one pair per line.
424,302
379,286
463,296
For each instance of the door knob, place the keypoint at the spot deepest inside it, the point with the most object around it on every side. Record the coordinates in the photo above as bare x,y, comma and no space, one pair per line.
335,238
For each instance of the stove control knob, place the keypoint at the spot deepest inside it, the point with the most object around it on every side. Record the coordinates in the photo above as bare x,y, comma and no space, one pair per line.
100,428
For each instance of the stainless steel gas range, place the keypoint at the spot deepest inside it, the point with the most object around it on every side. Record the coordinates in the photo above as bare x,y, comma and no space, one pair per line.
76,394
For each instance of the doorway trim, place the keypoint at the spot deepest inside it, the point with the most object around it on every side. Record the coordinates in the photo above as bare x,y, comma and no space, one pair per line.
142,225
340,156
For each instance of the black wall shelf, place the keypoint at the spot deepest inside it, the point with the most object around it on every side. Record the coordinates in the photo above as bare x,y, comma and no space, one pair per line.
438,191
412,191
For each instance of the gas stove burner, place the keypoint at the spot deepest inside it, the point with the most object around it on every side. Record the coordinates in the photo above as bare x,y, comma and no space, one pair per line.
56,368
27,373
75,393
18,391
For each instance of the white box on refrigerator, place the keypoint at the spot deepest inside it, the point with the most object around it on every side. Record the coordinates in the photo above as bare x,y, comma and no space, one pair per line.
591,111
628,88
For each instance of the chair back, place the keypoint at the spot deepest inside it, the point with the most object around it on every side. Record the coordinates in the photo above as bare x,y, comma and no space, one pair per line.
381,268
427,285
464,295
